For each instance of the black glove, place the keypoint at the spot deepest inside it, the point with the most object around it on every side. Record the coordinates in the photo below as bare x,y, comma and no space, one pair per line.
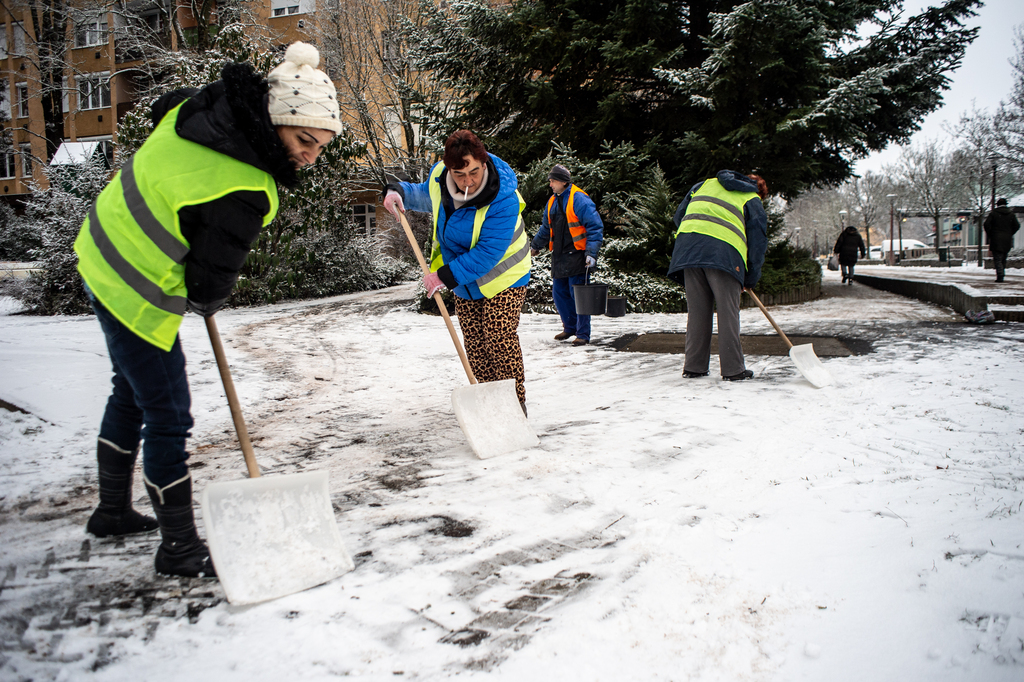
205,309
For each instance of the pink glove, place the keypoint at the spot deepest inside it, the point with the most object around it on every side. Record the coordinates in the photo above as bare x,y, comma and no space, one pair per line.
433,284
393,203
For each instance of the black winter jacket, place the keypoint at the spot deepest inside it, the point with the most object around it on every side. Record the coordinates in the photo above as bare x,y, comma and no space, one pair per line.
229,116
848,245
1000,226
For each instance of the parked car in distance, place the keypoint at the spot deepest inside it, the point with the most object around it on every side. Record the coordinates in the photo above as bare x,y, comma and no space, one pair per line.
878,252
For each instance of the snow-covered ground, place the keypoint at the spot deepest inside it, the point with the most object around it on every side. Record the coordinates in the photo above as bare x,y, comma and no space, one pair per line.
665,529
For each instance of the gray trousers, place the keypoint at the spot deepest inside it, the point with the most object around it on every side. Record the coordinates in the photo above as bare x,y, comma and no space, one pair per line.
704,288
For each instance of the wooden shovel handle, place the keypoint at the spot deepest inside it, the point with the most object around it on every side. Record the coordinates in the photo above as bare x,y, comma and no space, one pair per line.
229,390
770,319
437,298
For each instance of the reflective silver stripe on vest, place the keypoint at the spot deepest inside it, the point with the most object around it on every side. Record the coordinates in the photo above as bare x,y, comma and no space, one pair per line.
132,277
151,227
717,221
513,260
732,208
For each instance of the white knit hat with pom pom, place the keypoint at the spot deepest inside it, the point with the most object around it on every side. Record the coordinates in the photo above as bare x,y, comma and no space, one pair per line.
301,94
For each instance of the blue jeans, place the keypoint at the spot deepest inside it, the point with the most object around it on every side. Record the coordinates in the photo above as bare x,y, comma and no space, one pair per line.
565,304
150,400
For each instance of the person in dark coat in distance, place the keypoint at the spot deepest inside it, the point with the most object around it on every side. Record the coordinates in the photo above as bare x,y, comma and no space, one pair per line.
170,233
572,229
719,251
1000,226
847,247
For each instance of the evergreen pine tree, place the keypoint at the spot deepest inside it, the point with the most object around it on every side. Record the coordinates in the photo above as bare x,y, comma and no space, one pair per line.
795,89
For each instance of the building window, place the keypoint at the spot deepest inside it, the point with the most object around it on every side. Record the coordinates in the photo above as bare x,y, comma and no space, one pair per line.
284,7
21,94
154,20
26,160
91,32
94,91
391,45
8,164
3,41
18,31
6,110
365,216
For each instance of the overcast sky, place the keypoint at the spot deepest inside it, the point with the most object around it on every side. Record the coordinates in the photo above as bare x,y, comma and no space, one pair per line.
984,78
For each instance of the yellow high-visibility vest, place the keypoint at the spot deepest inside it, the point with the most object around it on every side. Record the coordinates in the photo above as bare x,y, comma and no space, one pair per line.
717,212
130,249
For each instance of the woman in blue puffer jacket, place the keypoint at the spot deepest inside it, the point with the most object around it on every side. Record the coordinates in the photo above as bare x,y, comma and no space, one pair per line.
480,251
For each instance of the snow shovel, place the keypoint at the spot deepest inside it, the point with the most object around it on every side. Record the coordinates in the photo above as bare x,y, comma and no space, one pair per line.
269,537
802,356
490,414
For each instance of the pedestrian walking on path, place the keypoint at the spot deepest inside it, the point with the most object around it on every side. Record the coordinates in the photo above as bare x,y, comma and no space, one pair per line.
480,251
719,251
849,244
171,232
1000,226
572,230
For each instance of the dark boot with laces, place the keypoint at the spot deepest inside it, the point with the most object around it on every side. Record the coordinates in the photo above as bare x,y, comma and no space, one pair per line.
181,552
114,515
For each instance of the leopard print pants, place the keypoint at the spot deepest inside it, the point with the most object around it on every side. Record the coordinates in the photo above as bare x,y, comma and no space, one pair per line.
490,331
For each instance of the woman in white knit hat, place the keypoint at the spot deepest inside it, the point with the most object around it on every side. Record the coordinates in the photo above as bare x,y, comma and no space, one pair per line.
171,231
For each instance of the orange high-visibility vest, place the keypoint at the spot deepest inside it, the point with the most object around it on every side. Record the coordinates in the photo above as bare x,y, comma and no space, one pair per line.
576,228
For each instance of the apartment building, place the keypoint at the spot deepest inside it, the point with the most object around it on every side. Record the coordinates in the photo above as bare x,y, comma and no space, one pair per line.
69,78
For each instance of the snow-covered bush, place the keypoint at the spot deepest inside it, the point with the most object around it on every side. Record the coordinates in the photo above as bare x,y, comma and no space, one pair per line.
17,238
56,214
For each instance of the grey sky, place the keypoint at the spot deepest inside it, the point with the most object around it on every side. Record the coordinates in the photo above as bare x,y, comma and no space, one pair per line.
984,78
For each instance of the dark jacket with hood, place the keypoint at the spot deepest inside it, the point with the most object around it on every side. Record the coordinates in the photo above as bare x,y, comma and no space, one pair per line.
229,116
1000,226
694,250
849,244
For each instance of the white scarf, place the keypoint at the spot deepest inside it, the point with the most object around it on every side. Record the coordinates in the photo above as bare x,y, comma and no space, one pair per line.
460,199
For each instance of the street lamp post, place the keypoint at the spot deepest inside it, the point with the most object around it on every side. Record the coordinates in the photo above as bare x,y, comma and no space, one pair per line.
892,208
899,227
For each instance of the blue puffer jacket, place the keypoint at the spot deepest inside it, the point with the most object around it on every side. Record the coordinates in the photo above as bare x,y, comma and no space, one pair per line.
464,265
702,251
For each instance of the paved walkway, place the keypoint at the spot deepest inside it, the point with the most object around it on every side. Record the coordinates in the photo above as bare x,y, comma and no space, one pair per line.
962,288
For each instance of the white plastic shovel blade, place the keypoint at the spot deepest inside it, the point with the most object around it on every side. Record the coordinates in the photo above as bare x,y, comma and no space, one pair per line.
273,536
809,365
492,419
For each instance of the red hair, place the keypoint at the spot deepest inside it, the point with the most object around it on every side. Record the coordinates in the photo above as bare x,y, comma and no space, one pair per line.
762,186
459,145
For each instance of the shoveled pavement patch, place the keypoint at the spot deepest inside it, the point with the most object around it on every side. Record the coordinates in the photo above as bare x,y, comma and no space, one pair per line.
675,342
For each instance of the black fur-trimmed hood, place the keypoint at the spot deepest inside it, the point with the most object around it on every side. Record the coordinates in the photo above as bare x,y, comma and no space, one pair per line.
231,116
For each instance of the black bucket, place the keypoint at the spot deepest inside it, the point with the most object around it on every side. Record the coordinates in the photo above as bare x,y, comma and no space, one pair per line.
616,306
591,299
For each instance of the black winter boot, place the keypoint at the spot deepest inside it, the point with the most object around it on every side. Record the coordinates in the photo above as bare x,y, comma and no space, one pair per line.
181,552
114,514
